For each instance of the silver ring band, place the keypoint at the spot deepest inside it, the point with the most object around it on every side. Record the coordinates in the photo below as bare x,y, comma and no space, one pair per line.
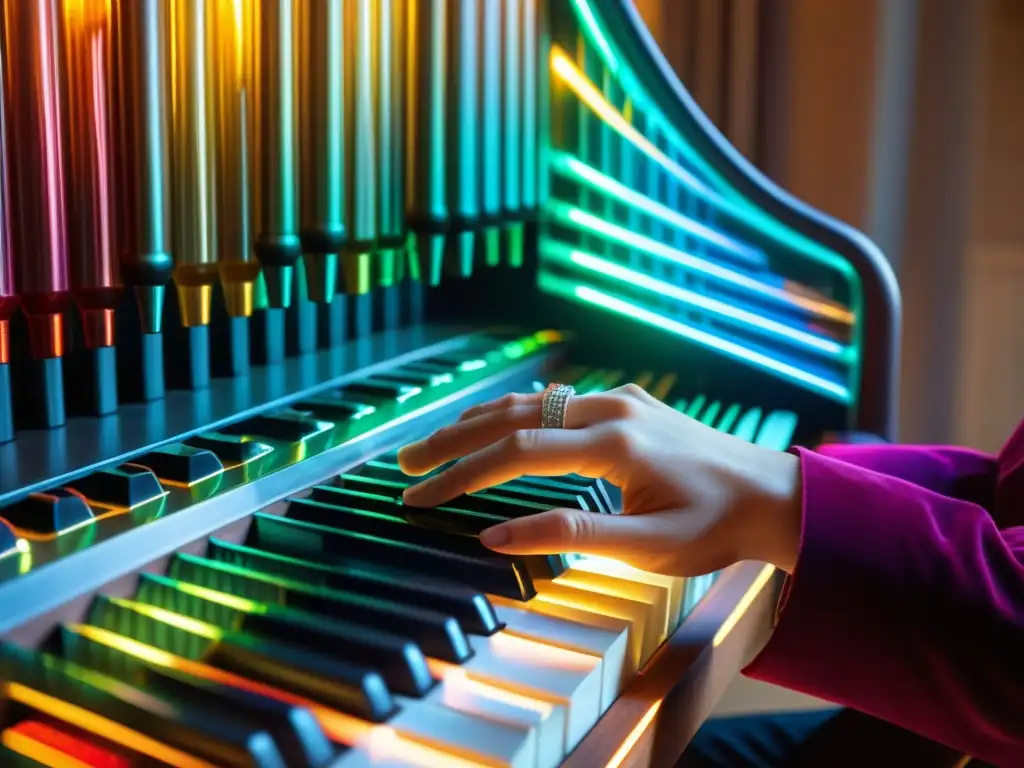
554,405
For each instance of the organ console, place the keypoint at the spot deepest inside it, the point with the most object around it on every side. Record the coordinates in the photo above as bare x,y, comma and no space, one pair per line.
373,214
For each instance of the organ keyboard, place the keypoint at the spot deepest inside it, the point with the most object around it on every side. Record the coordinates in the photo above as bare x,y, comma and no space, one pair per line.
369,212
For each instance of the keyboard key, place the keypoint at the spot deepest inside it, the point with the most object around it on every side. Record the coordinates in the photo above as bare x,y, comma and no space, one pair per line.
59,744
346,686
414,378
379,391
442,528
746,427
287,426
231,449
180,463
399,660
437,634
69,693
295,731
470,608
631,611
47,513
777,430
334,408
653,598
543,722
123,487
612,647
497,573
570,679
9,543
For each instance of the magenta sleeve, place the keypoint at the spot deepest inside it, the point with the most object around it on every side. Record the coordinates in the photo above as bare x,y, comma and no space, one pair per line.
961,473
907,605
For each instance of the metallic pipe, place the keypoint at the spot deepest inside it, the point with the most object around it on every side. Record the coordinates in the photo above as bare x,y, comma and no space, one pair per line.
490,121
95,271
463,151
92,203
391,127
37,132
512,172
37,136
427,68
8,296
193,169
276,183
323,127
361,147
146,263
230,44
531,67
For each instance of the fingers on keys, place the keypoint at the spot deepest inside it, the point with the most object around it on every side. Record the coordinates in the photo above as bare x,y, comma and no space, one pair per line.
547,452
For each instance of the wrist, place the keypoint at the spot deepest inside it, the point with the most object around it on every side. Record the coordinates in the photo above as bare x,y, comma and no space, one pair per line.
773,515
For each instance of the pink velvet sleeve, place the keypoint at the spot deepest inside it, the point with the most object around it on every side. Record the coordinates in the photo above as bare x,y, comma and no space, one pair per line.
906,604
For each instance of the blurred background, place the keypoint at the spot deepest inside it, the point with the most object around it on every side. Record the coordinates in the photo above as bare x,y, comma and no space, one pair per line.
905,119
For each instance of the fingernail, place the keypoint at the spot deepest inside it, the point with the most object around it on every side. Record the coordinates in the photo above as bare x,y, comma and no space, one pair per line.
498,536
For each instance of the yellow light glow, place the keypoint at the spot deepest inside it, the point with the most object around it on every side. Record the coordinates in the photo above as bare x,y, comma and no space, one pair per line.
744,603
458,687
525,651
634,736
201,628
110,730
339,727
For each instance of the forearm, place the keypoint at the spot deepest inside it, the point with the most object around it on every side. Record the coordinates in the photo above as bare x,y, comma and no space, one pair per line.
907,605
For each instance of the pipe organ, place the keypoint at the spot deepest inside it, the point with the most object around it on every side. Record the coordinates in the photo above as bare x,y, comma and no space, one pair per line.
248,248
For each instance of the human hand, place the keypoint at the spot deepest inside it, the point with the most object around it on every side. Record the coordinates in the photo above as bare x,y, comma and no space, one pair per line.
695,500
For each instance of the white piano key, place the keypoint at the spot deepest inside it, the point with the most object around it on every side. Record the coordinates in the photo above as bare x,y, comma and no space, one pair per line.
383,747
546,720
655,598
464,735
674,586
575,595
544,672
611,646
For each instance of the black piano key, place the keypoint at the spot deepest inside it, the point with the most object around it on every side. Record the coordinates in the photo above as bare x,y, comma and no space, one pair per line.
594,492
334,408
233,449
547,497
46,512
210,734
429,366
124,487
295,730
472,609
438,634
399,660
446,527
287,426
181,463
496,574
343,685
413,378
393,527
378,390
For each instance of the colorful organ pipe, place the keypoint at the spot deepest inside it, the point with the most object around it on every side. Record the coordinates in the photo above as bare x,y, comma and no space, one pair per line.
249,248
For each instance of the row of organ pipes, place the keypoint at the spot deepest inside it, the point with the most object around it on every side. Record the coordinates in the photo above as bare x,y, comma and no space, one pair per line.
195,177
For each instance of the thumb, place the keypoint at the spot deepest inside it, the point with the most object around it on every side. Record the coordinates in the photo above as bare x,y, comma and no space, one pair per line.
570,530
